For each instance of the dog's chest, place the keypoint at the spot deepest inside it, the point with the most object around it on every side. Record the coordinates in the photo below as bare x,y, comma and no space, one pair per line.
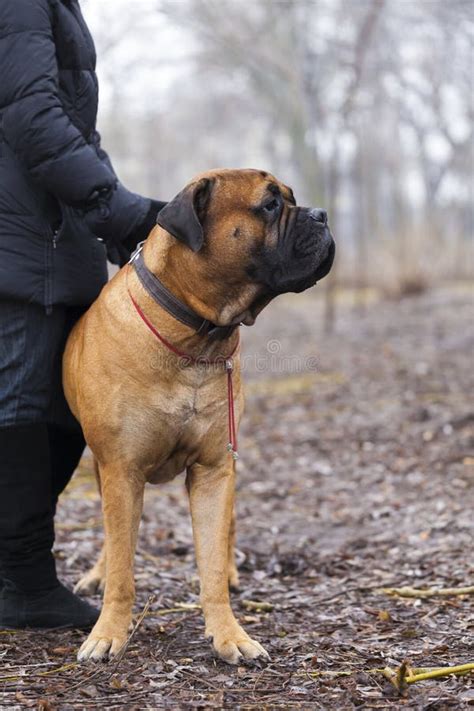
181,426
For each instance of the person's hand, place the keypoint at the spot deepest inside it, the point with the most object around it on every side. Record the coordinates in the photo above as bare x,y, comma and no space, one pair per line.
119,219
145,227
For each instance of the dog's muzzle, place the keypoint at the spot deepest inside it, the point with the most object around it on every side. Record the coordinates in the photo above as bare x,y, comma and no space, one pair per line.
303,255
313,243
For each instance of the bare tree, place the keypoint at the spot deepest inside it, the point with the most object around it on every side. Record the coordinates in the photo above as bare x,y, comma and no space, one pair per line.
364,107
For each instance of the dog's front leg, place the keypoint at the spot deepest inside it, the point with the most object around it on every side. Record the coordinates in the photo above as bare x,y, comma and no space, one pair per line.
211,493
122,500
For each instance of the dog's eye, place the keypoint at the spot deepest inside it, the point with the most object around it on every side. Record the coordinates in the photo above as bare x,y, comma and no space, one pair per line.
271,206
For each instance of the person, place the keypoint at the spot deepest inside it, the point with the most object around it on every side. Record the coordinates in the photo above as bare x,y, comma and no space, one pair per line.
61,209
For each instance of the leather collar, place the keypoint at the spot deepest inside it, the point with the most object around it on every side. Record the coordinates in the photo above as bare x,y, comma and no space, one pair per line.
167,300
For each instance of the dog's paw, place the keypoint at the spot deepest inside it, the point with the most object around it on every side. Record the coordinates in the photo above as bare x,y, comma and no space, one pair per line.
100,647
232,644
90,583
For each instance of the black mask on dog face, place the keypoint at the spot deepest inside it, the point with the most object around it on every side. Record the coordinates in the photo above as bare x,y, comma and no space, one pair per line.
303,253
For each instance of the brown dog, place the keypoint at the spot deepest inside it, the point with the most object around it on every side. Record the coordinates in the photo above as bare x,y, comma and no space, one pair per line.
156,398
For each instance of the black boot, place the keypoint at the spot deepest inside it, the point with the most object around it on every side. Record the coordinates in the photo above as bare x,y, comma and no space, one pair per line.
31,595
51,609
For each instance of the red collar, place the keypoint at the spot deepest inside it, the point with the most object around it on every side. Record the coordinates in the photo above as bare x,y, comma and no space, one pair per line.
227,362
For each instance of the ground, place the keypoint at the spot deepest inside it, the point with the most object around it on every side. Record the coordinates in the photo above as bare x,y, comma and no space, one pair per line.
355,475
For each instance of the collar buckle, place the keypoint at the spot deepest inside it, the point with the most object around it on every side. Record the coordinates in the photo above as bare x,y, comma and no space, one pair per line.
136,252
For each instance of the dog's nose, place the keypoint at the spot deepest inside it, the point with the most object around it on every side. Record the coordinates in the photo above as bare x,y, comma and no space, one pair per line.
319,215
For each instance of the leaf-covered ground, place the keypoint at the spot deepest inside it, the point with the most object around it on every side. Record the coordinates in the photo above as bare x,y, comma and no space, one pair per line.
356,473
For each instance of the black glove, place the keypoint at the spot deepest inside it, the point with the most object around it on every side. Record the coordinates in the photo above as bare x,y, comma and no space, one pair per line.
120,252
142,230
122,219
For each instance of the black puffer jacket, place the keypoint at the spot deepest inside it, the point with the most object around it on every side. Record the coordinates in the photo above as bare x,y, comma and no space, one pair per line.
58,190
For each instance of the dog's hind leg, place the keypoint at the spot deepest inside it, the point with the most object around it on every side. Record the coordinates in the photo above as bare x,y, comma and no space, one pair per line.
94,580
232,566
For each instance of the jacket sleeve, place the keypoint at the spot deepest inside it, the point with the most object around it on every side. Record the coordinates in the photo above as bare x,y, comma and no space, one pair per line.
35,125
119,215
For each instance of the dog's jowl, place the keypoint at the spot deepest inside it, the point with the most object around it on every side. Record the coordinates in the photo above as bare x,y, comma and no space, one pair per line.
152,373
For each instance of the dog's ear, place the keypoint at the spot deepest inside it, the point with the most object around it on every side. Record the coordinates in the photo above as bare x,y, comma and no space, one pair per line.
183,217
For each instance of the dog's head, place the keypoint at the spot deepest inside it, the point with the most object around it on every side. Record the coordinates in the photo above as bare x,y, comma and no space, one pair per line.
243,240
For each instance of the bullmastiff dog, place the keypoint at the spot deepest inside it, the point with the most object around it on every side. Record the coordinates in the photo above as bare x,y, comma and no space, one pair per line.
151,372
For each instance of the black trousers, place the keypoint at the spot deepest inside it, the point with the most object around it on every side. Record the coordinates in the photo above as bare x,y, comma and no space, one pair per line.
31,348
40,440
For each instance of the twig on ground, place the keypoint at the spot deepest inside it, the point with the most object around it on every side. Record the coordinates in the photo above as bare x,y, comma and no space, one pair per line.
428,592
179,607
332,674
85,680
401,676
348,589
140,619
201,680
257,606
423,674
397,677
100,672
17,677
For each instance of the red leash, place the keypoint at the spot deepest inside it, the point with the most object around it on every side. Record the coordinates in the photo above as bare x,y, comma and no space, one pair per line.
229,366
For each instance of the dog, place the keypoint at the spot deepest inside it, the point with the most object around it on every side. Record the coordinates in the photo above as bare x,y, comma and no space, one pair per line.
151,371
